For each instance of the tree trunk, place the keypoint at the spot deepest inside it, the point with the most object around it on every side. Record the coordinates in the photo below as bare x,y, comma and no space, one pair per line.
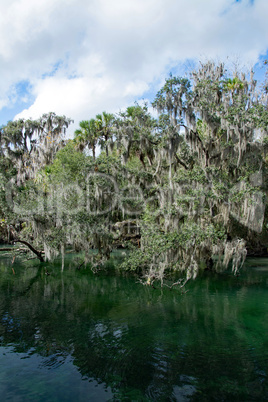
36,252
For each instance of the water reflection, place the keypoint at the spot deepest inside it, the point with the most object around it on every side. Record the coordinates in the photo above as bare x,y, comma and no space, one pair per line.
76,336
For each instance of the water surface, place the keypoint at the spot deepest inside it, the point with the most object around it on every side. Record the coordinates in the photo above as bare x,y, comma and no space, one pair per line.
75,336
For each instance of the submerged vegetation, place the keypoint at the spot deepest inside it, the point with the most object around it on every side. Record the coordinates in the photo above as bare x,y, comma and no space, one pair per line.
183,192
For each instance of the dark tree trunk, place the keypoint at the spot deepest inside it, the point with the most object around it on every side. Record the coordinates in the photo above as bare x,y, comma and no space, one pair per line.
36,252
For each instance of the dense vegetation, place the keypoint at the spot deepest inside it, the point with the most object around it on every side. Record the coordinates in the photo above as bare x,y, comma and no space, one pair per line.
183,192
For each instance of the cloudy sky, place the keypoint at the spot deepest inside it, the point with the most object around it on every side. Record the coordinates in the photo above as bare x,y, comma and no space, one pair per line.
81,57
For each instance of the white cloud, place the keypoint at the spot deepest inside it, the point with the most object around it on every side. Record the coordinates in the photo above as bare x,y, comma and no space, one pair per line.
82,57
136,88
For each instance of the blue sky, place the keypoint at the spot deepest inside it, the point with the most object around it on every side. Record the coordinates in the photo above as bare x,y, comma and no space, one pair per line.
80,57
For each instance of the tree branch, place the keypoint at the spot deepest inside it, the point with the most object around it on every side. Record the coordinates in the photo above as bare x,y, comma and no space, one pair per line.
36,252
181,162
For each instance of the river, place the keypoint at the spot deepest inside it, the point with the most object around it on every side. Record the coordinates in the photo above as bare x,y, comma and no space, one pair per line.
75,336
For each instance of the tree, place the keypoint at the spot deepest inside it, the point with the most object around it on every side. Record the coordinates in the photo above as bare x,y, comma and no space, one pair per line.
191,183
87,136
28,145
208,178
51,131
32,144
104,124
136,134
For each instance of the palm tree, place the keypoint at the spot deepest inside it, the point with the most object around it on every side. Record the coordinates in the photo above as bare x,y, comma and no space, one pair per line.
18,136
233,85
51,132
19,144
104,123
87,136
31,144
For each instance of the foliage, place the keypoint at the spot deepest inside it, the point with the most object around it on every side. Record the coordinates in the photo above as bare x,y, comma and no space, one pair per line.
87,136
184,191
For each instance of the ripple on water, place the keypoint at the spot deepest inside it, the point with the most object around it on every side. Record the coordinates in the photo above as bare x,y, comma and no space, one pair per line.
53,362
141,342
182,393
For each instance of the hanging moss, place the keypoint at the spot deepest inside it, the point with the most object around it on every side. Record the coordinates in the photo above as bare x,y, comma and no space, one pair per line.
193,180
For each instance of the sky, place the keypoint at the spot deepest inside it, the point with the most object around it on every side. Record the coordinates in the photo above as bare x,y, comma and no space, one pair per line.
80,57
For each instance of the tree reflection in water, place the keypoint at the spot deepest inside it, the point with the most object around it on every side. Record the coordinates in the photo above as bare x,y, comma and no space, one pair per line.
72,335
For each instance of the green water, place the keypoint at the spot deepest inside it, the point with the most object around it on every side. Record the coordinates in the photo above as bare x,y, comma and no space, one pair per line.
73,336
